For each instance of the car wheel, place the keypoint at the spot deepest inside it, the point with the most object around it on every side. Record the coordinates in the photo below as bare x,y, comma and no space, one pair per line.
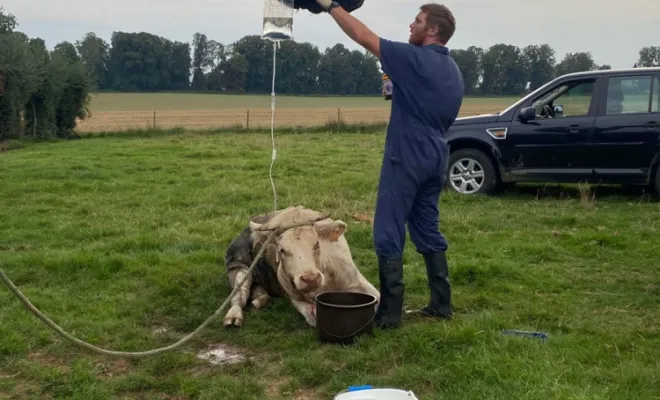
657,181
470,171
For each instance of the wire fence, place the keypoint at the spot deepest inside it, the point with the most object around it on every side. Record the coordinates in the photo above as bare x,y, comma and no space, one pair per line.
231,118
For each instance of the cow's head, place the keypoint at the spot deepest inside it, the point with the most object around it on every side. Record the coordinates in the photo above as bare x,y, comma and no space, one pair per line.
297,250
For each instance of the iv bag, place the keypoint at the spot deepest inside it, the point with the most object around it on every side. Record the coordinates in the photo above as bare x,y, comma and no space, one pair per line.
278,20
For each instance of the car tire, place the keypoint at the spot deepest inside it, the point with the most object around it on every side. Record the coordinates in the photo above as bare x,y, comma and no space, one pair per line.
657,181
471,171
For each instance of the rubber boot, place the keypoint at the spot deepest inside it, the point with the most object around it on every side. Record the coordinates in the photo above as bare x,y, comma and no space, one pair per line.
437,272
390,272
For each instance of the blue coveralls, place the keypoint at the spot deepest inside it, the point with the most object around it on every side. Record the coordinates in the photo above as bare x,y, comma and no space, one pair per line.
428,93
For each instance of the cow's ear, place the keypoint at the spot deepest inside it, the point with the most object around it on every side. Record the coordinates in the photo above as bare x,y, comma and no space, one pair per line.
272,255
331,230
258,235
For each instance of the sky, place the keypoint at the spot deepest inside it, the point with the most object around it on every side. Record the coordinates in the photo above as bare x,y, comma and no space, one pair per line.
567,25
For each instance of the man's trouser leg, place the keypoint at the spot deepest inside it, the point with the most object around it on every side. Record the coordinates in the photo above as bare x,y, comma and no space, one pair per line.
396,194
423,224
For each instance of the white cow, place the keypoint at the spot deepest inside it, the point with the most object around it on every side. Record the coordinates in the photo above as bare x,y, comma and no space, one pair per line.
300,263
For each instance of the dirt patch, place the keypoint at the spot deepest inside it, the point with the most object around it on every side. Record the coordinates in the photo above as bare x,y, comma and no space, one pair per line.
363,217
273,387
49,361
151,396
160,330
23,391
117,367
222,354
304,394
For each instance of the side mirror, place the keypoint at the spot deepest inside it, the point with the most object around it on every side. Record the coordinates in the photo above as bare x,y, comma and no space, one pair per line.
559,110
527,114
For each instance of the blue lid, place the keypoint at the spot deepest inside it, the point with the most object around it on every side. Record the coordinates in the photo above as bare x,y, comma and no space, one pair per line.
356,388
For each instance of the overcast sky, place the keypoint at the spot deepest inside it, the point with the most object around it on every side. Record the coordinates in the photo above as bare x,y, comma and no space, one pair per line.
567,25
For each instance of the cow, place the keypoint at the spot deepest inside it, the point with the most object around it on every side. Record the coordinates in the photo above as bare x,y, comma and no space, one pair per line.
300,263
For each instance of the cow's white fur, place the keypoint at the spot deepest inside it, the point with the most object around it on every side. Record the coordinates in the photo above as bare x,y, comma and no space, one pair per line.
318,247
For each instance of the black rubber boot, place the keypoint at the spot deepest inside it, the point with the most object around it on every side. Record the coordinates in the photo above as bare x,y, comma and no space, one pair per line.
390,272
438,275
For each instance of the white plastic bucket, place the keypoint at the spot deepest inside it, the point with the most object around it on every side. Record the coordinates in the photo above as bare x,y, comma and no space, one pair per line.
377,394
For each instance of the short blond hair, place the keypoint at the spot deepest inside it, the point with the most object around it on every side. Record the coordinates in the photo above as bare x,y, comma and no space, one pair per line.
439,16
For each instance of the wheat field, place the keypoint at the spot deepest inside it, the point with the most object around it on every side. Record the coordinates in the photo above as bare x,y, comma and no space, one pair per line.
122,111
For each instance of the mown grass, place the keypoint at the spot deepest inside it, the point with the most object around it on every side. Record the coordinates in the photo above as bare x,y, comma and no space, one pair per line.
117,236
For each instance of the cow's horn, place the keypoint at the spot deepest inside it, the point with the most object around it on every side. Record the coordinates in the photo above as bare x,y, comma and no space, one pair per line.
293,217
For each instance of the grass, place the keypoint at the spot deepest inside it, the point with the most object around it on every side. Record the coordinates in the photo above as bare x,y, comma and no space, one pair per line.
126,111
117,236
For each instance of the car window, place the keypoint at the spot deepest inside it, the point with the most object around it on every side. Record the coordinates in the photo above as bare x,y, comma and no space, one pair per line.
569,100
575,102
628,94
655,103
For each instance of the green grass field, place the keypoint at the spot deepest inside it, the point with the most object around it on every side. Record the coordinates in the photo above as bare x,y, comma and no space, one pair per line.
119,238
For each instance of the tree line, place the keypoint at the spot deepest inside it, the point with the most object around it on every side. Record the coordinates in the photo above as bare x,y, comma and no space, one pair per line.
43,92
146,62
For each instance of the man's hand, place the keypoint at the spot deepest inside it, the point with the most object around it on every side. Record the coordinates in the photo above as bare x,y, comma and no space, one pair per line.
355,29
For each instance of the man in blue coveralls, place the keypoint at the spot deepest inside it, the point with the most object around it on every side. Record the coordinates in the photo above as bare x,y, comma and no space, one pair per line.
427,95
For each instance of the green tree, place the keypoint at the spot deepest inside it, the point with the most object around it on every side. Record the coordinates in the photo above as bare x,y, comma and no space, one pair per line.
45,92
469,61
21,78
207,55
539,62
230,76
649,56
336,75
575,62
94,52
7,22
505,72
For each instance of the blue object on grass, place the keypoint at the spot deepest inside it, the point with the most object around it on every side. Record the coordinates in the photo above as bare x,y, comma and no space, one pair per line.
356,388
539,335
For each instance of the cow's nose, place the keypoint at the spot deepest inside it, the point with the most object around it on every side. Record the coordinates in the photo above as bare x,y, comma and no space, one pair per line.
311,277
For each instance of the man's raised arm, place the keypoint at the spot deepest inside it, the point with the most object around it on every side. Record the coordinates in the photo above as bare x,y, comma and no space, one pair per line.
353,27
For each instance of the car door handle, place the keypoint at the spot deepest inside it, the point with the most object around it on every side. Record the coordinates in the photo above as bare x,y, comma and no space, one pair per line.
650,125
574,128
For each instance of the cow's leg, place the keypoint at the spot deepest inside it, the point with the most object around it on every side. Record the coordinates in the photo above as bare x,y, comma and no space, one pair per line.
308,310
235,314
259,297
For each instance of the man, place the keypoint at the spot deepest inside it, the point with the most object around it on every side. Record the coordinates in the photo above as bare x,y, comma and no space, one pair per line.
427,95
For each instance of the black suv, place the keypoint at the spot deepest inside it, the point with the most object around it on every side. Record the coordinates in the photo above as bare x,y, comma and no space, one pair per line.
595,126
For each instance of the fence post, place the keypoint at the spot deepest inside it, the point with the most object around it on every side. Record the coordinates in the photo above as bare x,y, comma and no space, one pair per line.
154,124
247,120
338,115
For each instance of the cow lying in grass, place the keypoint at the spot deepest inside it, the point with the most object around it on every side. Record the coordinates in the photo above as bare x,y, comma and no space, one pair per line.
299,264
